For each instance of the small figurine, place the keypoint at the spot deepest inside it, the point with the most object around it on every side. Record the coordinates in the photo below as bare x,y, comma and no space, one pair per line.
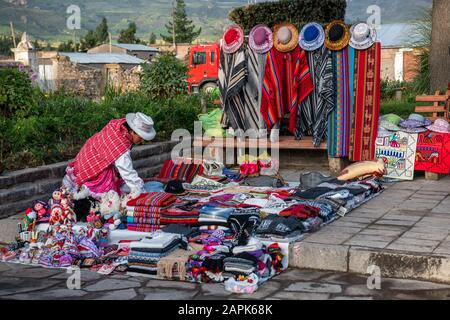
103,238
29,219
41,208
56,214
68,213
56,198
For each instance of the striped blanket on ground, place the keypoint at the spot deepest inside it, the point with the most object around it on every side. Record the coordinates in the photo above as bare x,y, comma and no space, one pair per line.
180,170
153,199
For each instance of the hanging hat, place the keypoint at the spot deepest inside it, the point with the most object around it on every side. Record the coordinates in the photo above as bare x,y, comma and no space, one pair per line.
415,121
362,36
261,39
285,37
440,126
337,35
390,122
312,37
142,125
233,39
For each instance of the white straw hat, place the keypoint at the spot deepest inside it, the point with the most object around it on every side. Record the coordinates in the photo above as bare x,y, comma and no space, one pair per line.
142,125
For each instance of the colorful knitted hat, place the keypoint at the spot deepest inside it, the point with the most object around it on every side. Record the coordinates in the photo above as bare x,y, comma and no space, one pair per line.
233,39
312,37
261,39
337,35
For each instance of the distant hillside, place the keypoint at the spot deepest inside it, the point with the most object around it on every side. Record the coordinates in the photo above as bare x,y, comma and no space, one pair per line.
46,19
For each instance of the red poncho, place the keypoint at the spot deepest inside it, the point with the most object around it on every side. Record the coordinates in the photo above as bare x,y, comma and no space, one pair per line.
287,82
101,151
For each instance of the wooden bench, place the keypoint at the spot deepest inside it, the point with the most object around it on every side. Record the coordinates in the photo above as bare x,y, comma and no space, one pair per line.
439,109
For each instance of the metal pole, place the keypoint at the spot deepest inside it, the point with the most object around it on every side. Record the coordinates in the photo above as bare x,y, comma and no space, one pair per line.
110,42
13,35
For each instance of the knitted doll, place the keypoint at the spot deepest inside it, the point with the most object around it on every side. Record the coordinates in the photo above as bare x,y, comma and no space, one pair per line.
41,208
28,219
68,213
110,209
56,198
56,214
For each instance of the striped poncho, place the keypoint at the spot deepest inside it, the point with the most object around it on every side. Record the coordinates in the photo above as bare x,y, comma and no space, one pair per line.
287,82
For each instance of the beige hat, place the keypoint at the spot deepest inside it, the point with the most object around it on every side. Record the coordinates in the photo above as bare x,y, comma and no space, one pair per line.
142,125
285,37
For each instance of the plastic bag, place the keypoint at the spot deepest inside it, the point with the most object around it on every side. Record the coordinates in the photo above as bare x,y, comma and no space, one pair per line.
211,123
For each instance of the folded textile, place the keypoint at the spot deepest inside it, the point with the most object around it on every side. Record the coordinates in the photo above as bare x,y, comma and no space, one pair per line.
142,227
210,210
146,209
252,245
243,222
153,199
278,225
157,240
180,229
143,220
300,211
178,220
179,212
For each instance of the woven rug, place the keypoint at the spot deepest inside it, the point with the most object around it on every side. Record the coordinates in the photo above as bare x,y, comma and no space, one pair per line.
433,152
339,120
367,103
399,152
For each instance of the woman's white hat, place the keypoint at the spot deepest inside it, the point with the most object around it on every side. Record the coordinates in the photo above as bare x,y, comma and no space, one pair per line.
362,36
142,125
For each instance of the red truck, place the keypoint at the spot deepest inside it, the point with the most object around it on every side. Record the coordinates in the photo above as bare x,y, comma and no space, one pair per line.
204,60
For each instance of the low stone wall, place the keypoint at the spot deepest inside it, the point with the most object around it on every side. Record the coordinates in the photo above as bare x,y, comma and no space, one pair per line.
19,189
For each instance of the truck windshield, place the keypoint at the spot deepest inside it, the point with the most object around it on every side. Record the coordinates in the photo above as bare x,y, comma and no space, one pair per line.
199,58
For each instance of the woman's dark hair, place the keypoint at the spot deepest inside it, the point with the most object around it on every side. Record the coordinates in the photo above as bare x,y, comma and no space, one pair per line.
126,125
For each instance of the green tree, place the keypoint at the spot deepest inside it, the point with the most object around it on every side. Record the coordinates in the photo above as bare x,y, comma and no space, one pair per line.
152,39
101,32
164,78
6,43
128,35
184,28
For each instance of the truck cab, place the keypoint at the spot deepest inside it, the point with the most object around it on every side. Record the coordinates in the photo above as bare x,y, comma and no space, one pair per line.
204,63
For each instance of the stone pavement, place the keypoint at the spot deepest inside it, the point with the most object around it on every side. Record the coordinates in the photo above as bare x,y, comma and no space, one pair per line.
25,282
405,231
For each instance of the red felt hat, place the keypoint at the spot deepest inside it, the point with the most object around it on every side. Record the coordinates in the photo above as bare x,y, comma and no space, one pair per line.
233,39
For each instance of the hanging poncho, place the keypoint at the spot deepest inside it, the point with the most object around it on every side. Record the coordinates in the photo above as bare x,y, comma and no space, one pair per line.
313,112
287,82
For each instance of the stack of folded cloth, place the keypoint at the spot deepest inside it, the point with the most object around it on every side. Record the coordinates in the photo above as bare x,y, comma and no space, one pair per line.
278,226
182,213
243,223
143,213
243,263
211,215
144,255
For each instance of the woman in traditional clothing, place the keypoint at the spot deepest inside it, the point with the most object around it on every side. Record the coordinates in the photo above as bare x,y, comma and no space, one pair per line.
104,162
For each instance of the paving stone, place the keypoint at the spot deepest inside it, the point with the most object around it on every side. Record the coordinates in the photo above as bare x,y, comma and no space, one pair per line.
420,242
4,267
35,272
352,226
368,244
121,277
214,289
395,222
410,248
329,238
86,276
127,294
300,275
393,216
403,296
358,219
301,296
352,298
166,294
314,287
361,290
412,285
12,285
170,284
53,294
345,279
424,236
112,284
381,232
362,238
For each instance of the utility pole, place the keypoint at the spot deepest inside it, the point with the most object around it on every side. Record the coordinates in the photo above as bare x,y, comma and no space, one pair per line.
13,35
173,28
110,42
